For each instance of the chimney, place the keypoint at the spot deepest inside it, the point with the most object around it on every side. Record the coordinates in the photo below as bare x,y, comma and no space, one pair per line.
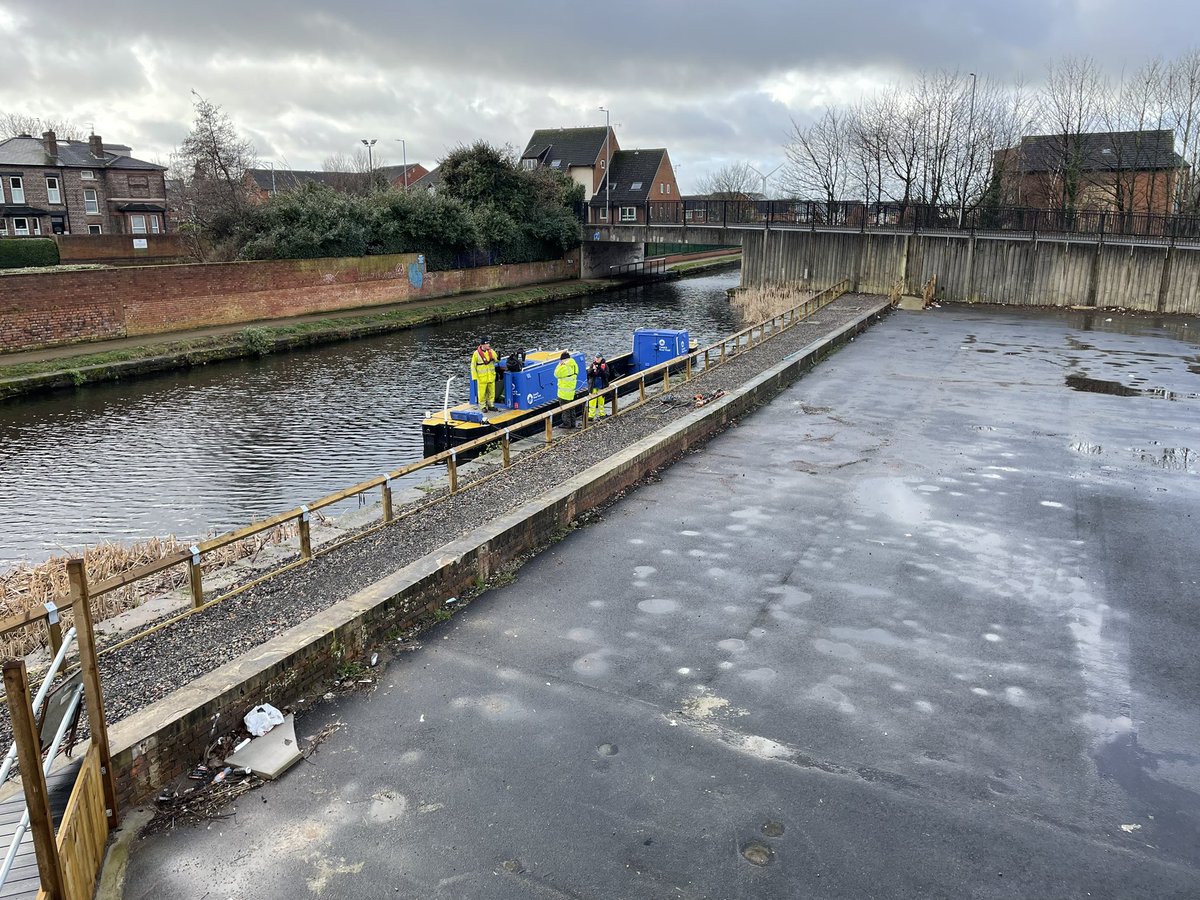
96,146
50,144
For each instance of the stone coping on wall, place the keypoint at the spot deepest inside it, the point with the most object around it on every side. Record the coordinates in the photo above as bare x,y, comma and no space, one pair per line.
154,745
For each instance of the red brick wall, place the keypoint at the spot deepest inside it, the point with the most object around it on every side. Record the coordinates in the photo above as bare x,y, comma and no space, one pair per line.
118,248
38,310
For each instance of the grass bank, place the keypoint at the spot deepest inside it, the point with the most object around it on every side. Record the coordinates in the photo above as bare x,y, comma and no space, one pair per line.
161,354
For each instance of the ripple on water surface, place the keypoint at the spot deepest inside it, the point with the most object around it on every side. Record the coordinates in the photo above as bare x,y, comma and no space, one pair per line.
213,448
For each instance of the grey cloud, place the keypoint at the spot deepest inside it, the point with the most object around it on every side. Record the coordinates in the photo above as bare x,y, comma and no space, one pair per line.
308,79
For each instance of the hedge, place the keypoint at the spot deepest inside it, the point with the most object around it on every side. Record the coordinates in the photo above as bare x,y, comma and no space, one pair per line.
22,253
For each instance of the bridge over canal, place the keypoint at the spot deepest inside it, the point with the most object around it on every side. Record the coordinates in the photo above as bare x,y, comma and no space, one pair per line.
1010,256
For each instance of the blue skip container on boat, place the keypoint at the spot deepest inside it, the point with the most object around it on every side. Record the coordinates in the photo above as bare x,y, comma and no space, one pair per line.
652,346
535,385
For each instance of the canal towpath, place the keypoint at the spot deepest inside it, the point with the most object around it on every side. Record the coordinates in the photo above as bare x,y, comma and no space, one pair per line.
51,368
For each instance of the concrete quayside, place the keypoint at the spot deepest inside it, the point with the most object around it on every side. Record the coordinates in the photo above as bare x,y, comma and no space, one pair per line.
919,626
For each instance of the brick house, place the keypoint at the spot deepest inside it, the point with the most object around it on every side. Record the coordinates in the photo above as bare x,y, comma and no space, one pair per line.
582,154
48,186
1131,172
400,177
635,179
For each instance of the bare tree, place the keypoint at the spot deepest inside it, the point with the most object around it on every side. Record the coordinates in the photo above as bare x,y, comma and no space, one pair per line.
348,172
1072,104
13,124
820,158
1183,114
734,181
211,163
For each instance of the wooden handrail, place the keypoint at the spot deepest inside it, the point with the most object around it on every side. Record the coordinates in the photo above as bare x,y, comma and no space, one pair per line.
379,481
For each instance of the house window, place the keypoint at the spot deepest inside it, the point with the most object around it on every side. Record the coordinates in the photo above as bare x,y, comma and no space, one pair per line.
87,175
37,226
20,227
529,164
636,186
95,229
604,213
17,184
4,227
602,164
53,194
154,225
90,204
137,224
668,188
556,164
139,186
628,213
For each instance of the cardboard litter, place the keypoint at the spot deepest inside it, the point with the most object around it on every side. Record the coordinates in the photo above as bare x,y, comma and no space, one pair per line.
272,754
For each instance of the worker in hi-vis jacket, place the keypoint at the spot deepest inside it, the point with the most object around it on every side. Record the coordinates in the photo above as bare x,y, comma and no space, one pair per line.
567,375
483,373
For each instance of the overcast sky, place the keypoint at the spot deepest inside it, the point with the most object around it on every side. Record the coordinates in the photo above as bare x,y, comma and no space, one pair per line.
713,82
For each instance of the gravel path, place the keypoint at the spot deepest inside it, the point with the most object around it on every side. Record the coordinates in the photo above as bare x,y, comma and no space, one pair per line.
150,669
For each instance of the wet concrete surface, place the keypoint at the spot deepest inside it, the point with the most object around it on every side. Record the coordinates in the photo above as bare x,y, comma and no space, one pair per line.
922,627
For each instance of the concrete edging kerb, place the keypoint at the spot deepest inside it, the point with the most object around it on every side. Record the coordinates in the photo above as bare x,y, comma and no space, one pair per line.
156,744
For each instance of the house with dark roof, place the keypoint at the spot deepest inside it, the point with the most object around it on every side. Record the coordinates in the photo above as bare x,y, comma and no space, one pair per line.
48,186
635,179
431,181
263,183
582,154
1134,172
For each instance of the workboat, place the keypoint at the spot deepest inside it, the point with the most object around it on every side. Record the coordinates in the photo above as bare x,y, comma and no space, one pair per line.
526,386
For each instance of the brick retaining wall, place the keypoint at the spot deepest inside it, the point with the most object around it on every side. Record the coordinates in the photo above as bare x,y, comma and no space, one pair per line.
47,309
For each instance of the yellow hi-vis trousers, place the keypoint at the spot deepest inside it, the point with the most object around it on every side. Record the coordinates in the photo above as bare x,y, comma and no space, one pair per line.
487,393
596,406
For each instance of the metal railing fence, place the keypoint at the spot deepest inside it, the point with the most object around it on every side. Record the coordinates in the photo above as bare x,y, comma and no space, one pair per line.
1099,224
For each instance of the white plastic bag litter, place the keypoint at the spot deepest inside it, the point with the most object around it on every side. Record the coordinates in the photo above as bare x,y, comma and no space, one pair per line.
262,719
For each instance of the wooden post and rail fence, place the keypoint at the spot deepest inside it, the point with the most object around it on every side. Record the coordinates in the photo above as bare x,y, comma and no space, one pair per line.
69,864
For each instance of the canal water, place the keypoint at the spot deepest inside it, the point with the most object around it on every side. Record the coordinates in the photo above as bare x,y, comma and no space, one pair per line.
210,449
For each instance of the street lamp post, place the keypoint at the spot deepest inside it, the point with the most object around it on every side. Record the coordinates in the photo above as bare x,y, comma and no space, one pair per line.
403,160
370,162
607,167
962,208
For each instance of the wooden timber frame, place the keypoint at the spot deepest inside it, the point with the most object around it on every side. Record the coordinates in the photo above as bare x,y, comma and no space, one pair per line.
69,863
685,367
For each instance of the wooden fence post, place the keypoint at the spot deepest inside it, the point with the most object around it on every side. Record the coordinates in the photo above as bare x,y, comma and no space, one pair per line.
505,449
642,389
549,429
305,534
53,628
33,780
93,691
616,411
687,369
666,380
452,470
386,498
195,578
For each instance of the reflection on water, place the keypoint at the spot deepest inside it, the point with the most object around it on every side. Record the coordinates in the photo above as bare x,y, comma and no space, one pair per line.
213,448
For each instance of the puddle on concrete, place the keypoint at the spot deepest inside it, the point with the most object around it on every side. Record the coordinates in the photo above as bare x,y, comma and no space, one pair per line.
1170,459
758,854
1077,382
1100,386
